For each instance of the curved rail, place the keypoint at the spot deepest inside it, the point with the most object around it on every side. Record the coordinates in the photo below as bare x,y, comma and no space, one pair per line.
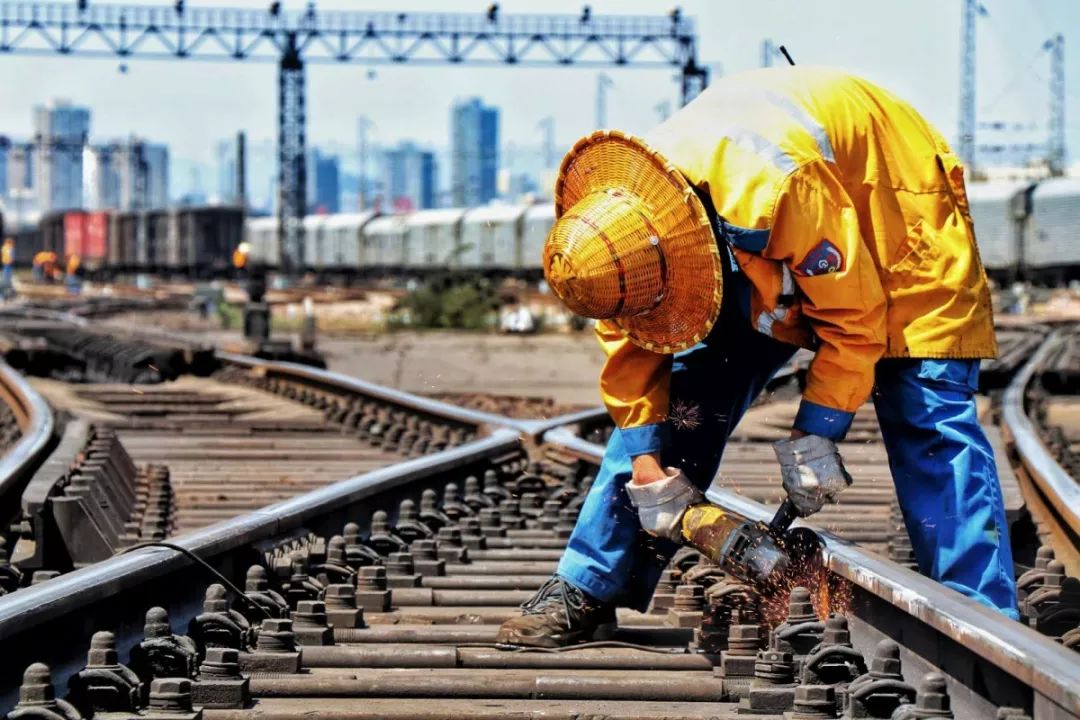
955,622
38,428
1051,480
380,392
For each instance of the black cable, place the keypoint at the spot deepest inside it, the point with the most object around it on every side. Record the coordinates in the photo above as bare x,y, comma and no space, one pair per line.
198,560
787,55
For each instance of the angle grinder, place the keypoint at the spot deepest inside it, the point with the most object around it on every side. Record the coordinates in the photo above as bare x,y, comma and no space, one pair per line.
754,552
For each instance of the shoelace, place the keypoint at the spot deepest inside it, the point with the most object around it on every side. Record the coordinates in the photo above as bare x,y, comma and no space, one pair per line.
567,594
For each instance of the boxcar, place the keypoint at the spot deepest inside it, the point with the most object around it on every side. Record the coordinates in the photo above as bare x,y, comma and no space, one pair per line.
999,210
489,238
432,239
262,233
534,231
384,243
1052,242
344,233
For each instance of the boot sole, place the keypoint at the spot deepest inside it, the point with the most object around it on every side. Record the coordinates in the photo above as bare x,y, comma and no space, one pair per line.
600,633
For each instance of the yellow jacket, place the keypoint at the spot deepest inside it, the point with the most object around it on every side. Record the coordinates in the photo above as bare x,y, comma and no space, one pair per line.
847,212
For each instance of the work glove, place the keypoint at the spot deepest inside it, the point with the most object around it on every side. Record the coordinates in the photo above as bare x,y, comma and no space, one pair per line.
812,471
661,504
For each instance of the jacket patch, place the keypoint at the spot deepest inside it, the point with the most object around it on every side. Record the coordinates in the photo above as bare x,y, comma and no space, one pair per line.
822,259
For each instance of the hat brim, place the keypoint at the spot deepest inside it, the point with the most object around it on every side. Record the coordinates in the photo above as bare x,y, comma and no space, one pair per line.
611,160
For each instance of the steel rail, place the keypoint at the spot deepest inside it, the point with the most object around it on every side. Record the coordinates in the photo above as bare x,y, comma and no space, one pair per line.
406,400
1051,671
1053,481
38,427
73,591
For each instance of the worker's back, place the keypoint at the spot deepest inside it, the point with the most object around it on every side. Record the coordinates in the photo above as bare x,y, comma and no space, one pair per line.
745,137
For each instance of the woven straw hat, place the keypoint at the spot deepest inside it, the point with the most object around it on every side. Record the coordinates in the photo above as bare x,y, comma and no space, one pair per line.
633,244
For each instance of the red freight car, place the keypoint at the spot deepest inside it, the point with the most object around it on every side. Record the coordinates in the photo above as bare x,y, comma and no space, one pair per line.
86,235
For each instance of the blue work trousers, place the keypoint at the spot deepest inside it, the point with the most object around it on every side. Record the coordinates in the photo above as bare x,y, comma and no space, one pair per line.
941,462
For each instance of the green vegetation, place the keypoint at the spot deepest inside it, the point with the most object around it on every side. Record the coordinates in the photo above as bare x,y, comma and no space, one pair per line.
231,316
455,300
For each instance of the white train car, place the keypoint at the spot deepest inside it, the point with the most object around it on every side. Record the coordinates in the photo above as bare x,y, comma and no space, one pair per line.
535,228
384,242
345,241
432,238
998,209
489,238
1052,242
314,242
262,233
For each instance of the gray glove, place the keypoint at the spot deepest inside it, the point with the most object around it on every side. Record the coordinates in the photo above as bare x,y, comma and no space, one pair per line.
661,504
812,471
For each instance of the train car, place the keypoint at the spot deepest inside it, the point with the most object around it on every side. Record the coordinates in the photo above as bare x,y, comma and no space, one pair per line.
207,236
999,210
384,243
314,241
52,232
534,231
490,238
86,235
345,242
262,234
432,239
1052,240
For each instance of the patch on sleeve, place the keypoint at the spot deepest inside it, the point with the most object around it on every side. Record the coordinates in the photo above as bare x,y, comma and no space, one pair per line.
823,258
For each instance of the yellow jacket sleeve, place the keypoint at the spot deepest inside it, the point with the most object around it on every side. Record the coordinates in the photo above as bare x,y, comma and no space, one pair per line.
634,384
816,234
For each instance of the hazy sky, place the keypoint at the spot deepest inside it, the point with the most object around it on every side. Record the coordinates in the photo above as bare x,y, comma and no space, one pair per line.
911,47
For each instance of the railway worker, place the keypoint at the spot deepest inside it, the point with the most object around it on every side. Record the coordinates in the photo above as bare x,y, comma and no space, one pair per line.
783,208
37,268
7,259
71,274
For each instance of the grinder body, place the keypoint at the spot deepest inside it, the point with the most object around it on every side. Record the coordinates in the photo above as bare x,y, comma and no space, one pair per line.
749,550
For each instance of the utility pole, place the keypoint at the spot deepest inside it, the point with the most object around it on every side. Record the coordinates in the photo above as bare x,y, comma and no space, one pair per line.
966,130
1056,141
292,158
547,125
768,53
363,125
603,82
241,170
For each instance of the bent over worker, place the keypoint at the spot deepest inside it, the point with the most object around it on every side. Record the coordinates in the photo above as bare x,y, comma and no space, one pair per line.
783,208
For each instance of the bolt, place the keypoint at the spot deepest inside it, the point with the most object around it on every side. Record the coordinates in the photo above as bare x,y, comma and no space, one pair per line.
214,601
256,580
933,695
690,598
814,701
37,687
340,596
399,563
102,650
800,609
423,549
371,577
1043,556
220,662
449,536
744,638
170,694
335,551
157,623
276,636
351,533
310,613
407,511
886,661
380,522
836,631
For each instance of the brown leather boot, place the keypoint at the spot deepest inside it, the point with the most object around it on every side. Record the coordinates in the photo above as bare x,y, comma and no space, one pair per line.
559,614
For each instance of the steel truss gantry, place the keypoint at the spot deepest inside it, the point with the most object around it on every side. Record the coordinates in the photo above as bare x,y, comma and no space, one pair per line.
295,38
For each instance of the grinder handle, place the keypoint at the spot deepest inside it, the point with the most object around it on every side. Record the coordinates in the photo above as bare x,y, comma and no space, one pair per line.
783,518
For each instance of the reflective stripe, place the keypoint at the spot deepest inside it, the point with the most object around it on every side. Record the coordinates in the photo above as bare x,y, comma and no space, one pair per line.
754,143
808,123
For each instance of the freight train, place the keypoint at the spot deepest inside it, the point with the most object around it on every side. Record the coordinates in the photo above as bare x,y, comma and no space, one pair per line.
1024,229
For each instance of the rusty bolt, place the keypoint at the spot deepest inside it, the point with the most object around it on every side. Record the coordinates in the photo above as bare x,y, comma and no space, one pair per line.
933,693
276,636
371,577
214,601
170,694
37,687
256,580
220,662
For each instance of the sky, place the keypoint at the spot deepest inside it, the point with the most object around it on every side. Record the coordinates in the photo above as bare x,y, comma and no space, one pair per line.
912,48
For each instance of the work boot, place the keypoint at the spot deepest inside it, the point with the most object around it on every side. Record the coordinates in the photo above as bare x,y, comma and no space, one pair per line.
559,614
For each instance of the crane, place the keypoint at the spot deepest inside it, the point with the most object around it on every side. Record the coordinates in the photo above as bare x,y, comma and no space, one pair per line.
295,39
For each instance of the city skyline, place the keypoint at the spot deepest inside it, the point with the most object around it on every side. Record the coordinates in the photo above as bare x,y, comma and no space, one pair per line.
889,44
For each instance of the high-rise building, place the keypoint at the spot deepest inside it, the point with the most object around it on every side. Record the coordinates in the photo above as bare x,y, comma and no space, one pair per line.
127,175
324,183
474,141
60,133
410,177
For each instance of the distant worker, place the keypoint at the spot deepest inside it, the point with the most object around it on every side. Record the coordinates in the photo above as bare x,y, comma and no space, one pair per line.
240,258
42,265
7,258
783,208
72,274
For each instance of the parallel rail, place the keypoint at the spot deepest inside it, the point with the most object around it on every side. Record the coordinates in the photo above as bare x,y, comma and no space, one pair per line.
38,427
1053,495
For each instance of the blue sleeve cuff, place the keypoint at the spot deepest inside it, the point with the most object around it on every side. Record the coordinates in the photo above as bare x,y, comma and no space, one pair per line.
645,439
821,420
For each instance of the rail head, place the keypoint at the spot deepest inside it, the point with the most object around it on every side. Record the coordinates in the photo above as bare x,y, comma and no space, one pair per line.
38,427
1048,668
1053,480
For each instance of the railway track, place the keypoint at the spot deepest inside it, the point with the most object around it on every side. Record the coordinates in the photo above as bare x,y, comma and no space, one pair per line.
414,565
